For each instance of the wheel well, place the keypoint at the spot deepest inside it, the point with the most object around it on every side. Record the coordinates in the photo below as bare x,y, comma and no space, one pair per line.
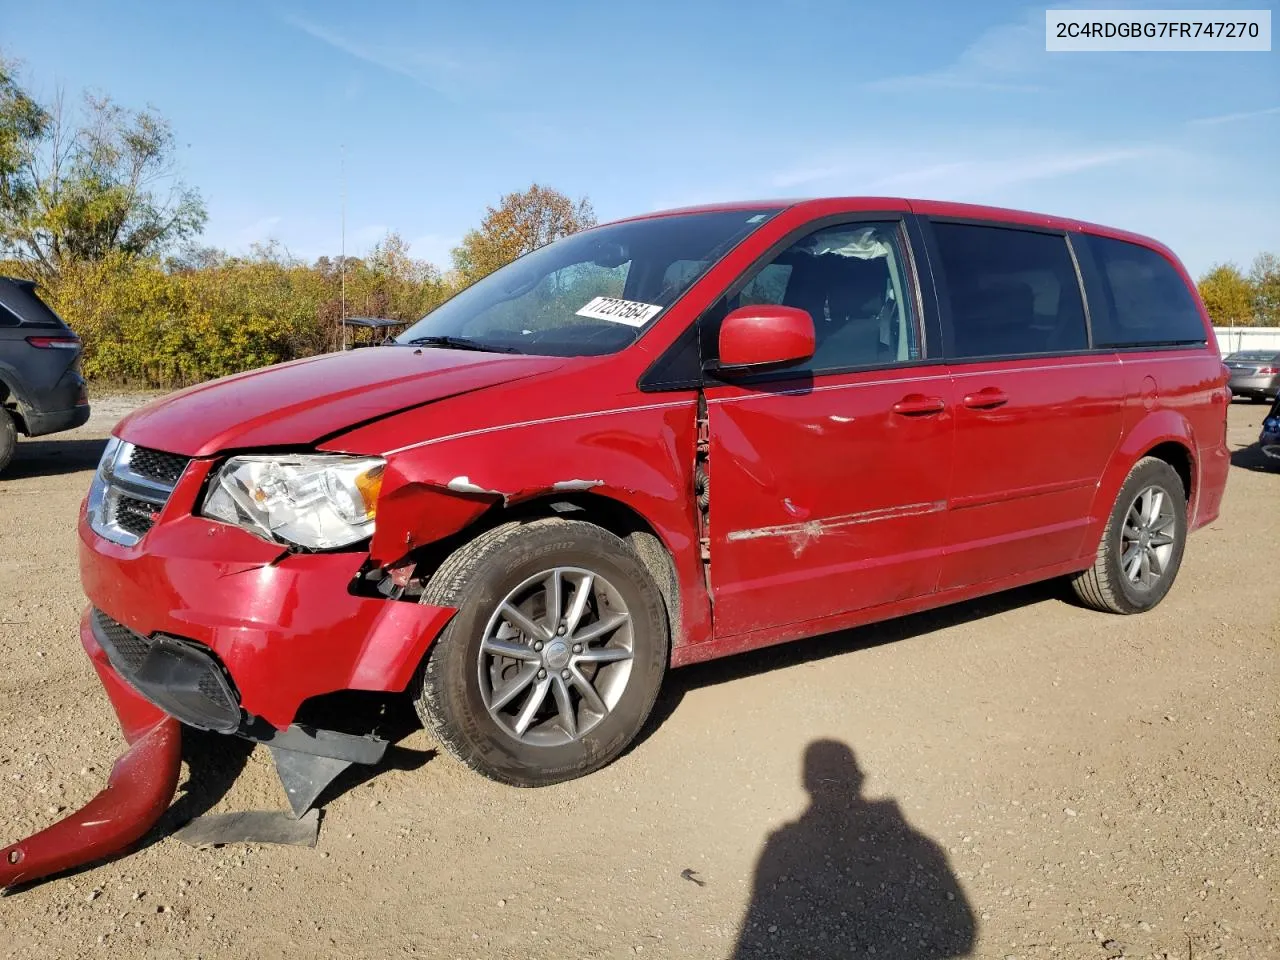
626,524
9,401
616,517
1178,457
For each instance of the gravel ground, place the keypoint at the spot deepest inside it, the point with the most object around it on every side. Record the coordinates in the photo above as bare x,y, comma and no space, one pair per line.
1014,777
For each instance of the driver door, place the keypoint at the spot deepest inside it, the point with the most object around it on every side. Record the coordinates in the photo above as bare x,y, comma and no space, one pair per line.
828,482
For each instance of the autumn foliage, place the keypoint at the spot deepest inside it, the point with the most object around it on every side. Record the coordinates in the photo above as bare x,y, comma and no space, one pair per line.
92,208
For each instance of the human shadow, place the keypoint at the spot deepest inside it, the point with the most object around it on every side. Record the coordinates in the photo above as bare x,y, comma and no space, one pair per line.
852,879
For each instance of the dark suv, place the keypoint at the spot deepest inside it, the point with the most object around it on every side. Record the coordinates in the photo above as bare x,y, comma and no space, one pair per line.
41,389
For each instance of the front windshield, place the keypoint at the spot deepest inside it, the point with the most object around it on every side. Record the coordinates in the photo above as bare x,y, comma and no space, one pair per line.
591,293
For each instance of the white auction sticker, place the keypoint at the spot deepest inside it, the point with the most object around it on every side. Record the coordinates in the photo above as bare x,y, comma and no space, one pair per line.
630,312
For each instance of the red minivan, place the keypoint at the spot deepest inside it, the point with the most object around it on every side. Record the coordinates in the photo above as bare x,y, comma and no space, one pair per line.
655,442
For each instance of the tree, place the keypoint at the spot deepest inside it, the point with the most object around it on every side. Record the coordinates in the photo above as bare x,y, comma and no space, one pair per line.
22,121
1265,277
1228,296
521,223
81,188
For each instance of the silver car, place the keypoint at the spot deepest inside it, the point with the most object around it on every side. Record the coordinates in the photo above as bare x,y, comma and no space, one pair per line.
1254,374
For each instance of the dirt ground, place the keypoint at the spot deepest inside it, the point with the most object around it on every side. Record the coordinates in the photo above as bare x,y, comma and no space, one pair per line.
1046,781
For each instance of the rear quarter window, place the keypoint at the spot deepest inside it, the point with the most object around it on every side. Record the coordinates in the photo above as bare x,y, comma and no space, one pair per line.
1148,304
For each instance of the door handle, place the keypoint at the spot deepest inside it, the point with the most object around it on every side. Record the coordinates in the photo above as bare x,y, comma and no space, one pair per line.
917,404
988,398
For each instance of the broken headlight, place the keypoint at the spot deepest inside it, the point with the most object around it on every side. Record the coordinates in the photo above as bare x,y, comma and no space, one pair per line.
316,501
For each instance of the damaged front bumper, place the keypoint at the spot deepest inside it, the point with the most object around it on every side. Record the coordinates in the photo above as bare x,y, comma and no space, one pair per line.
142,783
203,624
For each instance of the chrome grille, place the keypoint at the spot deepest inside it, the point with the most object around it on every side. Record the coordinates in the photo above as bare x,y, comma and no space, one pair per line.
131,487
132,515
158,465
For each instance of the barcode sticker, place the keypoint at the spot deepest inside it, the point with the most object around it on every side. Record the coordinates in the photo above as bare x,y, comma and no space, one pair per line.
630,312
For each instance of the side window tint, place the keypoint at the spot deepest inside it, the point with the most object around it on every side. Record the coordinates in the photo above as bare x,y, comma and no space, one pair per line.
7,317
1147,301
853,281
767,286
1011,291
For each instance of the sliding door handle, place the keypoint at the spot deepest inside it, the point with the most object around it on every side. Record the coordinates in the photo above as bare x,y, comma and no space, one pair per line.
988,398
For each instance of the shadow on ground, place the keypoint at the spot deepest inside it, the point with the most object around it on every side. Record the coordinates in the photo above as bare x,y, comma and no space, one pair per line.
851,878
679,682
51,458
1252,458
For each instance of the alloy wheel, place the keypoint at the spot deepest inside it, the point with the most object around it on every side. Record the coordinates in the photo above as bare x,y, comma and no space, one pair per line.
1147,538
556,656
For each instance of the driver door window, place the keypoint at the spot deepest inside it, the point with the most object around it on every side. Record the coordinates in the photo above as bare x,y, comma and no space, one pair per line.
852,279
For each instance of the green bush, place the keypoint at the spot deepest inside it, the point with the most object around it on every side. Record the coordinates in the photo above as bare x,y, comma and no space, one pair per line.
146,324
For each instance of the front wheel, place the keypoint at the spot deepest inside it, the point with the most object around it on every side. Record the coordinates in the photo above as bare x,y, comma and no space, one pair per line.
555,657
1141,547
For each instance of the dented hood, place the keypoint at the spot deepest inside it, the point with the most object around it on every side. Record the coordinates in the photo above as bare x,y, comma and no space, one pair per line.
304,401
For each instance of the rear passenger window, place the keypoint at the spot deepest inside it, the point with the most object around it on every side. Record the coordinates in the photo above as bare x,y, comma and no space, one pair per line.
1011,292
7,317
1148,304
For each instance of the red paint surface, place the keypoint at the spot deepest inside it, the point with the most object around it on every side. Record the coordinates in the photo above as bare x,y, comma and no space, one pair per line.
836,499
141,784
285,630
762,335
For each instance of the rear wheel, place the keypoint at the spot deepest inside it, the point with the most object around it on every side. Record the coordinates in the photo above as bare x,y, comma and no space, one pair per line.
554,659
1141,548
8,438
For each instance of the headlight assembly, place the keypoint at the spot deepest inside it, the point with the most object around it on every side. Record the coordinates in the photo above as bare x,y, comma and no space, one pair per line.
316,501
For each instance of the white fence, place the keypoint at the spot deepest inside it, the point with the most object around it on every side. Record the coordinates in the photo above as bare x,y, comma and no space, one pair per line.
1235,339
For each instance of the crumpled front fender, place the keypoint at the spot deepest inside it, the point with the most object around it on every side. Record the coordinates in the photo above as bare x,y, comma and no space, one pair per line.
142,783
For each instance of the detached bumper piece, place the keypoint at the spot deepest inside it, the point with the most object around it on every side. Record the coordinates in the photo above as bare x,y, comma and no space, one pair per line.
186,680
141,785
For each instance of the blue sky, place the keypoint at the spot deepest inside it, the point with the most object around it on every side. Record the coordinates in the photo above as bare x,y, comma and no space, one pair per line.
445,106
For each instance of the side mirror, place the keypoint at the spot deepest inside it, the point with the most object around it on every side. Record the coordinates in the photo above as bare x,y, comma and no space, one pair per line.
764,337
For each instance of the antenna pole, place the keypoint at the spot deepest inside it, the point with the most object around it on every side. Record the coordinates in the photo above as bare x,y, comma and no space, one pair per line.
343,269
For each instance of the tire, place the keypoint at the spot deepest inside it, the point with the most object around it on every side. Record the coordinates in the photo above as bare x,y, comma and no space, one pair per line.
508,567
8,438
1108,585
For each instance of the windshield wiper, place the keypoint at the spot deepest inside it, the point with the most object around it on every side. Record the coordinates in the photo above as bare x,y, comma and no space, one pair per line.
458,343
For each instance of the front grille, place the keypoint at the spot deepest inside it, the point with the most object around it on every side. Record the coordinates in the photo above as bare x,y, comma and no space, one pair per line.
134,515
130,489
181,677
157,465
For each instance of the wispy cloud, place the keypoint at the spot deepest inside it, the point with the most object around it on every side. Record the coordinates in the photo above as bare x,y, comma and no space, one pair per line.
962,172
1234,117
362,238
433,68
259,231
1004,57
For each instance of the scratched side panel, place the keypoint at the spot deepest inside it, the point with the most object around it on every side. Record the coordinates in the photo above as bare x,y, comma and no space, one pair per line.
633,448
823,499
